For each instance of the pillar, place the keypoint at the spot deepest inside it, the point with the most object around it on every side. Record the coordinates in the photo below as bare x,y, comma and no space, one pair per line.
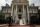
24,19
28,15
16,11
16,19
12,12
23,11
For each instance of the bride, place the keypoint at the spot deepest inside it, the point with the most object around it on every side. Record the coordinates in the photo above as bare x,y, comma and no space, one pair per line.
22,21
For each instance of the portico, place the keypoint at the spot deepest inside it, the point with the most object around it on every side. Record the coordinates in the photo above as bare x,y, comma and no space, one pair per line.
20,11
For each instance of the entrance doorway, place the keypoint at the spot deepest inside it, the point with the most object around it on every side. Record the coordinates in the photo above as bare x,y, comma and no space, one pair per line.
19,16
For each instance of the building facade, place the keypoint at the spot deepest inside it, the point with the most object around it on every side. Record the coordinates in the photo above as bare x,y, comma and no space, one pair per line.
20,9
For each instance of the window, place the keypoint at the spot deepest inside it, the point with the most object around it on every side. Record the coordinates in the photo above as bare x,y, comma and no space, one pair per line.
19,10
4,9
31,10
35,10
8,10
19,16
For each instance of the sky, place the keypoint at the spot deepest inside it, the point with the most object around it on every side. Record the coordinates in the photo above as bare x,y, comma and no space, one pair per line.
3,2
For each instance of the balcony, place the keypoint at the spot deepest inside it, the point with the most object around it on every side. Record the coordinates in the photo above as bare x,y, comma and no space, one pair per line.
19,12
6,12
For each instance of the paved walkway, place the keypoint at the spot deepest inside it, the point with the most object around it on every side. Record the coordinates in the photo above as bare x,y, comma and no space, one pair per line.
17,25
13,25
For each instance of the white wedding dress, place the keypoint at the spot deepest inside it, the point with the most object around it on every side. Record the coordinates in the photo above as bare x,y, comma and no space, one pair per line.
22,21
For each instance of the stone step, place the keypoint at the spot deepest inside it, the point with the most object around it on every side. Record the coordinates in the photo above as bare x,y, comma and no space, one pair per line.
21,26
17,25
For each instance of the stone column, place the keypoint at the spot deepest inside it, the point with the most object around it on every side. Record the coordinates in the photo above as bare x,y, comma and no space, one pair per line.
12,12
5,16
16,11
16,19
24,19
23,11
28,15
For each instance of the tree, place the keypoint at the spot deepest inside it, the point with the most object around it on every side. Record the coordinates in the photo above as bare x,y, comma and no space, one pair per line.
33,19
10,21
2,16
